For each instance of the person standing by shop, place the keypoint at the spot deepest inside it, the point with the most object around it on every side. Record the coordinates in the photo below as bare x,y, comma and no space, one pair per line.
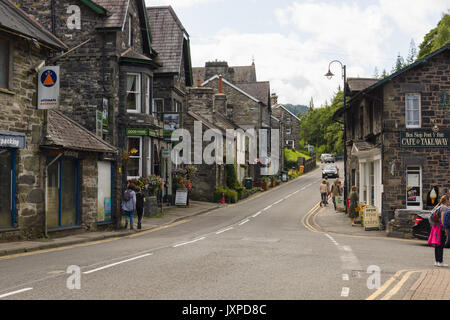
323,193
352,209
129,204
438,234
335,191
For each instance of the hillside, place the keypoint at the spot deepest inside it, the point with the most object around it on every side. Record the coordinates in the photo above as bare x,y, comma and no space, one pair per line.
297,109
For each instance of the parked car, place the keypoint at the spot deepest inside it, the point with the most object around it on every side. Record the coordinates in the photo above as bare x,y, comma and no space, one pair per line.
422,228
330,171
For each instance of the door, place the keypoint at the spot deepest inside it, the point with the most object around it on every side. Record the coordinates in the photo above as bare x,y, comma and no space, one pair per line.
6,188
104,183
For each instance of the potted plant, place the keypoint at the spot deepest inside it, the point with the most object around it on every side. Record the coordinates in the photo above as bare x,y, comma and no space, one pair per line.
265,183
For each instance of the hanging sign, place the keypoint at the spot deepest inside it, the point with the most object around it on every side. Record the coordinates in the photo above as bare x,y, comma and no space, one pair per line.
99,124
105,115
48,88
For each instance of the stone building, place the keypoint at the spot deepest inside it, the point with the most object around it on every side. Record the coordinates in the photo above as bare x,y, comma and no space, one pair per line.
291,124
110,69
171,40
32,142
398,136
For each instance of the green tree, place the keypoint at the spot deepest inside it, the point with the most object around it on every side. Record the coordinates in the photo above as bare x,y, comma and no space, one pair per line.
399,64
384,74
436,38
412,52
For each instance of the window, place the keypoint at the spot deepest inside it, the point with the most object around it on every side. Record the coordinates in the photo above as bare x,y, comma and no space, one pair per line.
288,120
149,157
134,167
147,95
130,31
290,143
133,92
7,180
177,107
158,105
288,131
414,188
62,193
4,63
413,117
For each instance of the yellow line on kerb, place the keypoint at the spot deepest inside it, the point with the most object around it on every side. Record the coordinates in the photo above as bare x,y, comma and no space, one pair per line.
86,244
387,284
399,285
305,219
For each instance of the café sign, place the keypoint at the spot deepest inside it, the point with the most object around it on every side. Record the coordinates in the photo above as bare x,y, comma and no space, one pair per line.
424,139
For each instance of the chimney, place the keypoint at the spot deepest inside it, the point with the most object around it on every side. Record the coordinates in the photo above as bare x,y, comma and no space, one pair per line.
220,84
199,83
273,99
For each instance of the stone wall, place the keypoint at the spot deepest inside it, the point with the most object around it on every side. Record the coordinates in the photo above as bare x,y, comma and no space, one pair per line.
19,114
89,191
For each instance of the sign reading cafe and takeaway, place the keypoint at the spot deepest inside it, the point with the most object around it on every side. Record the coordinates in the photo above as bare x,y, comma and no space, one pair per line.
424,139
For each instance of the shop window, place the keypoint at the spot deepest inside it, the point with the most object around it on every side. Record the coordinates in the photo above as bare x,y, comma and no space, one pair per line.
4,63
62,193
133,100
413,114
414,188
134,165
104,207
7,181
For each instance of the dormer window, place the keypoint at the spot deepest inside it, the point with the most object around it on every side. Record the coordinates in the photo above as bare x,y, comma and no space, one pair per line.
130,30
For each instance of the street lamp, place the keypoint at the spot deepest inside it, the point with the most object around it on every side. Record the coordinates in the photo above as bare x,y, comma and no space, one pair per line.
330,75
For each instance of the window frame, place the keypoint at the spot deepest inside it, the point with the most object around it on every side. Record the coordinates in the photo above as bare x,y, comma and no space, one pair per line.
135,157
148,107
137,93
413,126
289,131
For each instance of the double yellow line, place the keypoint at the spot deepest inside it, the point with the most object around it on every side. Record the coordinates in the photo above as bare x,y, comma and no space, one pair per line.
311,215
402,276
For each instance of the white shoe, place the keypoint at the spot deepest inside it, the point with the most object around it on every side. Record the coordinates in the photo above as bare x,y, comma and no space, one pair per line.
436,264
442,265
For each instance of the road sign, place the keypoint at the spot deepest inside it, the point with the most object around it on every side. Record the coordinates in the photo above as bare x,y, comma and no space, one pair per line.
48,88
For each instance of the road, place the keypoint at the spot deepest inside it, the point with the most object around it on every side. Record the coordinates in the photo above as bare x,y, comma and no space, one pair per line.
257,249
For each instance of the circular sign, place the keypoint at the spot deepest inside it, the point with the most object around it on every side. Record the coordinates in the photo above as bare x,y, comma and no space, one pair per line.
48,78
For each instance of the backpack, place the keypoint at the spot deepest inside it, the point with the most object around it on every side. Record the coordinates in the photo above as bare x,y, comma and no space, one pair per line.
435,216
127,195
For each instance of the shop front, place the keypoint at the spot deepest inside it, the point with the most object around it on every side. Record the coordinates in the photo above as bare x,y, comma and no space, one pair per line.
10,142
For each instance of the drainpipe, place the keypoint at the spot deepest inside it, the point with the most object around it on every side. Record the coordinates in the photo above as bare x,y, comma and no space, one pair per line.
46,184
53,17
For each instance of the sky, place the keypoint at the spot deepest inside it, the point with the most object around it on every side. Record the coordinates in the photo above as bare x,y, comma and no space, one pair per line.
293,42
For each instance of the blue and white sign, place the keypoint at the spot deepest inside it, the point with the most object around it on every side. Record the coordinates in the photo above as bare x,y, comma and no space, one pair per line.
48,88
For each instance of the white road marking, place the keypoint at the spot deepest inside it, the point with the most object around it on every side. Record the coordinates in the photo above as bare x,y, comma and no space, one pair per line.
14,292
281,200
267,208
304,188
345,277
225,230
189,242
244,222
256,214
345,292
347,248
288,196
296,192
117,263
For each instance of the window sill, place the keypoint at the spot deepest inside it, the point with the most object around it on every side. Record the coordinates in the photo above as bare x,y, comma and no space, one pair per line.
3,90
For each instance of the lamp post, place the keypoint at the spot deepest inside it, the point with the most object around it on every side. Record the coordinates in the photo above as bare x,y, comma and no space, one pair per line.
330,75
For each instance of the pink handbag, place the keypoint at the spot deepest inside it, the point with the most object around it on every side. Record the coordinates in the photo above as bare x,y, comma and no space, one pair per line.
435,236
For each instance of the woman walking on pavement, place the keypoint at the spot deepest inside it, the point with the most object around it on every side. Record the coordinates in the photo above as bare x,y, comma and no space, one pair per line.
140,199
323,193
352,213
129,204
441,232
335,191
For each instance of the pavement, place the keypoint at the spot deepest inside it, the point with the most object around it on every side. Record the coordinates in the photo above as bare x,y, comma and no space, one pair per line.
429,284
170,216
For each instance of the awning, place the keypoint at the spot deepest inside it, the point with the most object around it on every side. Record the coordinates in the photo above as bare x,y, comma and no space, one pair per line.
12,140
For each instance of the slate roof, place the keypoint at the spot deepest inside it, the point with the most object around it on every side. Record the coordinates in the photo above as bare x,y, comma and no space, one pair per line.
259,90
216,77
280,106
359,84
65,133
214,121
117,12
168,37
131,54
15,19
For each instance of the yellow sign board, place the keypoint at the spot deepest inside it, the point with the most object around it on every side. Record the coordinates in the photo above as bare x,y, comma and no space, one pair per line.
371,219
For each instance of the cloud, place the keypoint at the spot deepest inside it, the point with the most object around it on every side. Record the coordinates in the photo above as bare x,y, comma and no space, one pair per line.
179,3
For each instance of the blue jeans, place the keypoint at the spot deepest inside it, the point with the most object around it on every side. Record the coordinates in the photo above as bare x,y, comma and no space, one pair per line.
129,216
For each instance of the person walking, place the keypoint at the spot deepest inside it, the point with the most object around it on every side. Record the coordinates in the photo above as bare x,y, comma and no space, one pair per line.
439,230
140,199
323,193
328,189
335,191
352,213
129,204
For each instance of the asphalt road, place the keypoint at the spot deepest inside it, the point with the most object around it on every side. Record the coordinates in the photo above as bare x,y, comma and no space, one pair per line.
257,249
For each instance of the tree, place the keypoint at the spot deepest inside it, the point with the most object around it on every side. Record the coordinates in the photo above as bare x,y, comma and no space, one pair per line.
375,73
412,52
384,74
311,104
436,38
399,63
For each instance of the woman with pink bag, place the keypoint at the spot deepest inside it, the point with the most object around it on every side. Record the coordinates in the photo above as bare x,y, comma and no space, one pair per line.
438,233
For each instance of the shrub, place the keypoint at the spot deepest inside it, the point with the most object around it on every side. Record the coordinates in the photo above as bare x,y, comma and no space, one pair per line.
231,176
231,196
